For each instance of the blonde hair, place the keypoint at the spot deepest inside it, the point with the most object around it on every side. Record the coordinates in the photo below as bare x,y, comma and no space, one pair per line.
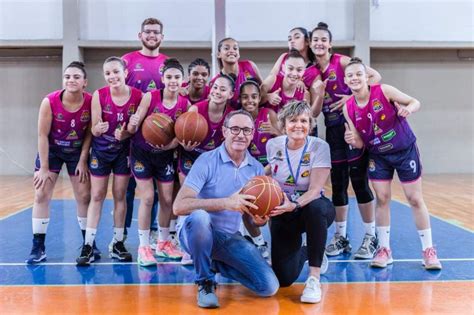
293,109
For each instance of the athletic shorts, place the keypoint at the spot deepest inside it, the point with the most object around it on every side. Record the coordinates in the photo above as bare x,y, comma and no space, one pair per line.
340,151
406,162
147,164
57,157
186,160
103,163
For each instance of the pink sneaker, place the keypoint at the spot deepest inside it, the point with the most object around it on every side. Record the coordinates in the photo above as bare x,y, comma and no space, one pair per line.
167,249
186,260
382,258
145,256
430,259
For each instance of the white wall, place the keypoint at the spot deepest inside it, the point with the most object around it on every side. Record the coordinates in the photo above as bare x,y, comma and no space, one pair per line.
422,20
31,19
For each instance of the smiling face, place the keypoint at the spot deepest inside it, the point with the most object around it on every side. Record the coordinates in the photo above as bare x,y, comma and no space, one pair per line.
250,98
198,76
73,80
221,91
229,52
355,76
238,142
151,36
297,127
320,43
114,74
294,70
172,79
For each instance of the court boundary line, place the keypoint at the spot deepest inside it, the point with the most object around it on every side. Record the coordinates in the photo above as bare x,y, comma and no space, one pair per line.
18,212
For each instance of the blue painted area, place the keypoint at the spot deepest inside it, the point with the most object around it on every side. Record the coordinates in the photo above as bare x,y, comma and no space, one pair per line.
64,240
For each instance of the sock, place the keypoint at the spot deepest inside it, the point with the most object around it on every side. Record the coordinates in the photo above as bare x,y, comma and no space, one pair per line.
144,237
118,234
172,226
259,240
341,228
425,237
383,234
40,225
163,233
90,236
370,228
82,222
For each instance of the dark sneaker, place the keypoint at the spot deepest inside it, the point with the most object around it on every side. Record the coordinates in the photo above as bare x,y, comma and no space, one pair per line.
37,253
206,296
120,252
368,247
86,257
338,245
96,251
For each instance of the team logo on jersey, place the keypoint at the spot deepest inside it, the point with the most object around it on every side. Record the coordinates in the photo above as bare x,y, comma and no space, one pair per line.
332,75
131,110
377,129
279,156
107,109
376,105
85,116
247,74
60,117
254,149
305,174
188,164
138,66
382,117
327,98
371,165
156,110
151,86
306,159
72,135
94,164
210,145
389,135
264,139
357,116
138,167
290,181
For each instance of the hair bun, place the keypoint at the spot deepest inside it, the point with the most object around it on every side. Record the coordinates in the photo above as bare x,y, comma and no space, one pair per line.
323,25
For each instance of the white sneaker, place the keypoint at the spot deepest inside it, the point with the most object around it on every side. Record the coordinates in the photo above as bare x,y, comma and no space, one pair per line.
325,264
186,260
312,291
153,239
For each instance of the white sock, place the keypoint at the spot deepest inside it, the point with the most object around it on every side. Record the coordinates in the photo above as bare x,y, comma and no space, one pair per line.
118,234
425,237
173,226
383,234
163,233
90,236
259,240
144,237
370,228
82,223
40,225
341,228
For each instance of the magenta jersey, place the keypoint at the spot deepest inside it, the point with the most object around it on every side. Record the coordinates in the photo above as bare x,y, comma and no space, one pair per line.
335,85
144,72
258,146
68,129
298,95
116,116
214,136
157,106
203,97
378,124
246,71
310,73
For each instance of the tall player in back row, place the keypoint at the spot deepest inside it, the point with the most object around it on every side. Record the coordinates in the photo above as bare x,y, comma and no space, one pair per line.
144,73
347,162
63,137
376,117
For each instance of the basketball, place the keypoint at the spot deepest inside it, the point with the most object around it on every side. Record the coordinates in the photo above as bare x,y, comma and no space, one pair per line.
158,129
267,191
191,126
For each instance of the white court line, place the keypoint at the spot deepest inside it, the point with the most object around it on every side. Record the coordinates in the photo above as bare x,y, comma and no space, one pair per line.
179,263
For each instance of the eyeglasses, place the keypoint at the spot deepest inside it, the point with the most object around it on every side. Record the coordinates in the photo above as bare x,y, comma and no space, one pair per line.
148,32
236,130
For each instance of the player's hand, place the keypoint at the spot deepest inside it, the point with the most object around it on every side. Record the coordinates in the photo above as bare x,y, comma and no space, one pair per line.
135,118
121,132
339,104
274,98
82,171
183,91
101,127
402,111
259,220
240,202
173,144
287,206
300,86
349,135
189,146
41,177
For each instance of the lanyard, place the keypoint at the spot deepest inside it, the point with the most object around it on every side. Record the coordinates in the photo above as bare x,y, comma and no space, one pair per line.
295,178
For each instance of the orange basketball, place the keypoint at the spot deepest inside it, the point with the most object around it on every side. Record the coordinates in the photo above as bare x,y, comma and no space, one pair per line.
191,126
267,191
158,129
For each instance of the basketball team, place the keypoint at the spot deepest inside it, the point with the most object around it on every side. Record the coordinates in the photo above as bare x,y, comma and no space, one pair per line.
256,126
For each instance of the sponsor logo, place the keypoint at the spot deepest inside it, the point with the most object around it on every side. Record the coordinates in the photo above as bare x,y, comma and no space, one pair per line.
60,117
371,165
389,135
264,139
306,159
253,149
210,145
94,164
72,135
375,141
151,86
385,147
377,129
305,174
138,167
85,116
382,117
62,143
138,66
334,88
247,74
290,181
376,105
332,75
107,109
327,98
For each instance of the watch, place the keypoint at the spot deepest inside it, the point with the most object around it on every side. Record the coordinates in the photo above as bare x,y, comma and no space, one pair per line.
297,204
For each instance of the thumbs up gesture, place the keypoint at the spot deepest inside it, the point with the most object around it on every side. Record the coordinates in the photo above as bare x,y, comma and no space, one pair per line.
101,127
274,97
135,118
349,135
121,132
402,111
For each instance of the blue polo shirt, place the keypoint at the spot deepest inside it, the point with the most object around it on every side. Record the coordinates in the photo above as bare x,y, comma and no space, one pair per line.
214,175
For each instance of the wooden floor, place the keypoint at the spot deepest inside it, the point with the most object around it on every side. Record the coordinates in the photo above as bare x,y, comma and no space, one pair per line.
449,196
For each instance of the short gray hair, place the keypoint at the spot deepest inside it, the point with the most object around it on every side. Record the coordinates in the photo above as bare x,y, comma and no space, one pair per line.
237,112
292,109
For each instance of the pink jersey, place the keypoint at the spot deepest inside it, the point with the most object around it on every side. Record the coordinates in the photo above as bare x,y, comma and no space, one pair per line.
335,85
310,73
246,71
144,72
203,97
214,136
378,124
298,95
258,145
68,129
117,116
157,106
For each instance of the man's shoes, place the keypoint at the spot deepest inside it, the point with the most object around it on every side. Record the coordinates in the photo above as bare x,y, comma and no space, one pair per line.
206,296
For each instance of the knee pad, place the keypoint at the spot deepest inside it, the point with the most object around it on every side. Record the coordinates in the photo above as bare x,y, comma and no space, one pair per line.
340,183
360,184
